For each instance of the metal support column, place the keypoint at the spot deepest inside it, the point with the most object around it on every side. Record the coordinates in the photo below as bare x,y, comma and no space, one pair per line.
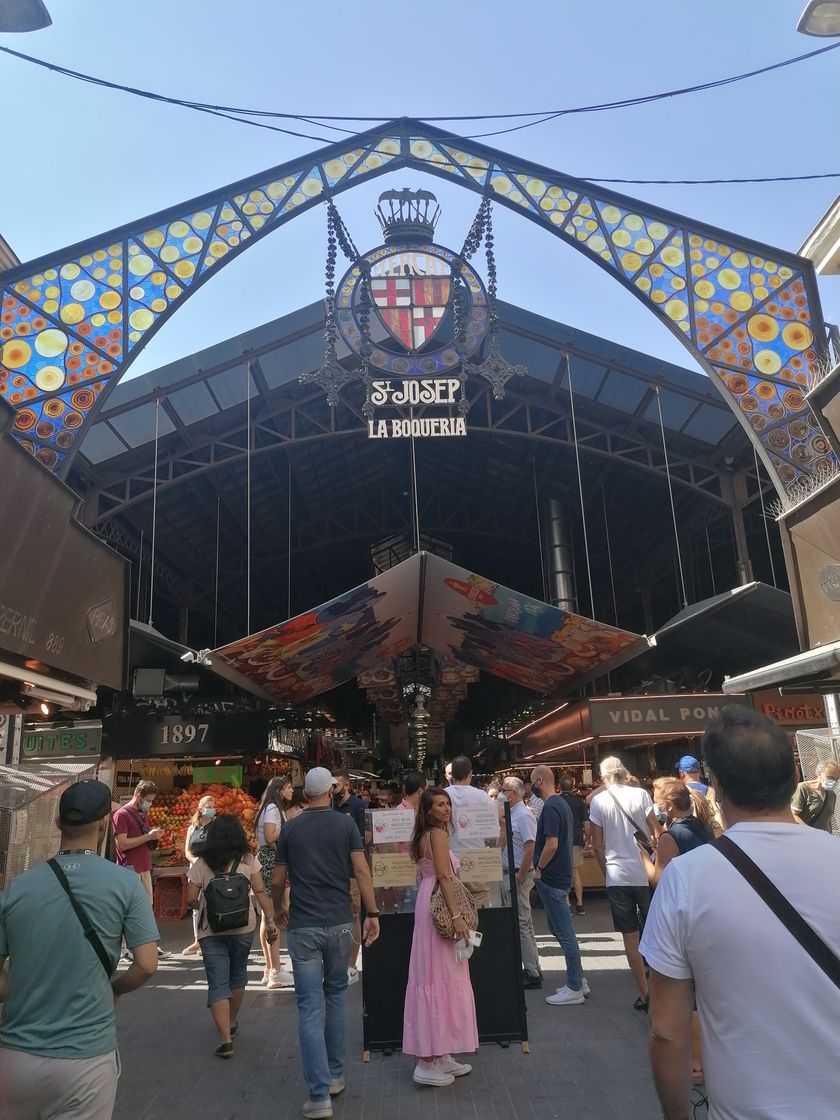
734,488
559,568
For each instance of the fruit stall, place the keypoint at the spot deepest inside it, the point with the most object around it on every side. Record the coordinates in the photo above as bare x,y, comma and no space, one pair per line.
173,810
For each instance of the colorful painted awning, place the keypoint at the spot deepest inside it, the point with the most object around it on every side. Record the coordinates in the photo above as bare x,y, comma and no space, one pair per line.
431,602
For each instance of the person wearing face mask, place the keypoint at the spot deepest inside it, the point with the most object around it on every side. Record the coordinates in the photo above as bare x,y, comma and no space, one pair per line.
194,845
814,802
134,837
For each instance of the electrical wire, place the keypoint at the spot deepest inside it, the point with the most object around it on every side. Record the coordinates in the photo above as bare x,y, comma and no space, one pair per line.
318,119
227,112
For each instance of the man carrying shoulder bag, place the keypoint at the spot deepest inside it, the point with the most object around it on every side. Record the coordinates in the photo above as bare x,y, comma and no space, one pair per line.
61,924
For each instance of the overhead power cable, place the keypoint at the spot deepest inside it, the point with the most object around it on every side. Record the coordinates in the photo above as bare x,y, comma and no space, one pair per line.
227,112
318,119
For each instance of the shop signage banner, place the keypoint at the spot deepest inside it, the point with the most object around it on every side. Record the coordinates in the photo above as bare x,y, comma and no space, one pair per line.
218,775
480,865
188,736
80,741
393,869
62,591
791,711
478,823
392,826
416,393
642,715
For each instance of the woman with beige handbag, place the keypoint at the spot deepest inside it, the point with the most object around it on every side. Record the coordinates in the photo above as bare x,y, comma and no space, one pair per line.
439,1017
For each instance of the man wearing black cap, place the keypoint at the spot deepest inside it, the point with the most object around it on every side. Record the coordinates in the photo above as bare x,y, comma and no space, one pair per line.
58,1043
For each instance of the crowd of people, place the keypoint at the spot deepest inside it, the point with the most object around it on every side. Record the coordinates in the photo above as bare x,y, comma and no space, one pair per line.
723,888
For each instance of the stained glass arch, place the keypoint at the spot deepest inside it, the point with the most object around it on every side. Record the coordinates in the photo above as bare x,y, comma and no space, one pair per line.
73,321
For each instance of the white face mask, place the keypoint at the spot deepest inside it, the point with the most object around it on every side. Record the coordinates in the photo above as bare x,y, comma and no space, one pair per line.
829,783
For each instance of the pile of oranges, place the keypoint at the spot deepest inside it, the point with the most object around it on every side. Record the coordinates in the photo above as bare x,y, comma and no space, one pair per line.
173,810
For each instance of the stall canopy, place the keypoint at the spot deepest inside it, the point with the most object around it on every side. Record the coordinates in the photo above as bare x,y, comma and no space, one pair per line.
731,632
425,601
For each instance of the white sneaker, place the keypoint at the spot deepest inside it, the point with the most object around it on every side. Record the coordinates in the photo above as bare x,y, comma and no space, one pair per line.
318,1109
280,979
584,989
352,976
431,1073
563,996
451,1065
337,1086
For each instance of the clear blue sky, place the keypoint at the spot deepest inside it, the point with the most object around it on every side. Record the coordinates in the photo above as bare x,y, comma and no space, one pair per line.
79,160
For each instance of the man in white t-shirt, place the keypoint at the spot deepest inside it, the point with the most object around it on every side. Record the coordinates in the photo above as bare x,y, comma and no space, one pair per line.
615,815
768,1013
464,795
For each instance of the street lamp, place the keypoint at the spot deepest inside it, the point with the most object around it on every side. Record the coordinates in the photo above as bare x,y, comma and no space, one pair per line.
821,17
23,15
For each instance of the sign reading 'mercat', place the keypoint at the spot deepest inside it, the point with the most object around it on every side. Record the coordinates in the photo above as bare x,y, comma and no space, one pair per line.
413,393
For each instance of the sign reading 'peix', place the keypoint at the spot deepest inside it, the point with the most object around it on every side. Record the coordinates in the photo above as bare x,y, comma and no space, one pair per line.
428,391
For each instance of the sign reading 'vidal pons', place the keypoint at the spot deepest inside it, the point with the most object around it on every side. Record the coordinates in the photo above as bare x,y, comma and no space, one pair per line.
416,393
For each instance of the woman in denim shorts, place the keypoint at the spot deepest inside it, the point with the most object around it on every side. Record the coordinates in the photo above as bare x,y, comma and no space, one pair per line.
226,954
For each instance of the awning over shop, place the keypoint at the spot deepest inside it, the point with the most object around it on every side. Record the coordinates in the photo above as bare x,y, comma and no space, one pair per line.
815,668
736,630
426,601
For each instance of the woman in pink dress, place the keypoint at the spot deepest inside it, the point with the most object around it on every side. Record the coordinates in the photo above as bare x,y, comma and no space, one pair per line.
439,1015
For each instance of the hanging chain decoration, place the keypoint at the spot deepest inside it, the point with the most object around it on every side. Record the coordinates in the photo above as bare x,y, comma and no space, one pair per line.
494,368
472,243
403,283
332,376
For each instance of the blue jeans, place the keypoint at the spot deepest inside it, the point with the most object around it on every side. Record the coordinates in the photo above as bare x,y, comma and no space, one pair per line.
226,964
556,905
319,961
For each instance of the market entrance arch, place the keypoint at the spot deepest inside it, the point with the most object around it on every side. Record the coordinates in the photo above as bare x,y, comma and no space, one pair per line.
74,320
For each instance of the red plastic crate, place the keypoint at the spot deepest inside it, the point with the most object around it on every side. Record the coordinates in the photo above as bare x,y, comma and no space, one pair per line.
170,903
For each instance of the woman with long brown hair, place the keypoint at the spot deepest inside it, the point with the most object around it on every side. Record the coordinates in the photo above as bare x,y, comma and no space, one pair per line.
439,1017
267,825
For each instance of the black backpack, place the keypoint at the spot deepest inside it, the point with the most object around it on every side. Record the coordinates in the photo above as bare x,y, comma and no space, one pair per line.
227,900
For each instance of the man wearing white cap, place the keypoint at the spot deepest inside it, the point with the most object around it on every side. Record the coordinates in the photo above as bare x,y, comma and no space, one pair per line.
319,852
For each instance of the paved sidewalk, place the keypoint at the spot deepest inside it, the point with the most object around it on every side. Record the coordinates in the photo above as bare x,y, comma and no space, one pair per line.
586,1062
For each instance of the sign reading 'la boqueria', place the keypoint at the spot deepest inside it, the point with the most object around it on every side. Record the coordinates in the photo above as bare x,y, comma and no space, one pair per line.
418,393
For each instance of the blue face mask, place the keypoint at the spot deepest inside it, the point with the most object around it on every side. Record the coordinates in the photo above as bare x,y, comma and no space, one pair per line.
145,806
208,812
661,815
829,783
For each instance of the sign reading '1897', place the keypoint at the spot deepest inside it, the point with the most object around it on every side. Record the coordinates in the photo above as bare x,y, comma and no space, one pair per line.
416,393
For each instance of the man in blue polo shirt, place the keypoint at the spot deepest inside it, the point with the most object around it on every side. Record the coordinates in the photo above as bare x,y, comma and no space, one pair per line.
58,1040
553,880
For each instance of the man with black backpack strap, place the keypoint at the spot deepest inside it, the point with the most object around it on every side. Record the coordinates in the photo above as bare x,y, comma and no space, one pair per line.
749,925
60,928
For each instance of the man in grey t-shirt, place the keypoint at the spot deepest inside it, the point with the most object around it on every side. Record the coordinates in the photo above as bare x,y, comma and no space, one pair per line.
319,852
58,1041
